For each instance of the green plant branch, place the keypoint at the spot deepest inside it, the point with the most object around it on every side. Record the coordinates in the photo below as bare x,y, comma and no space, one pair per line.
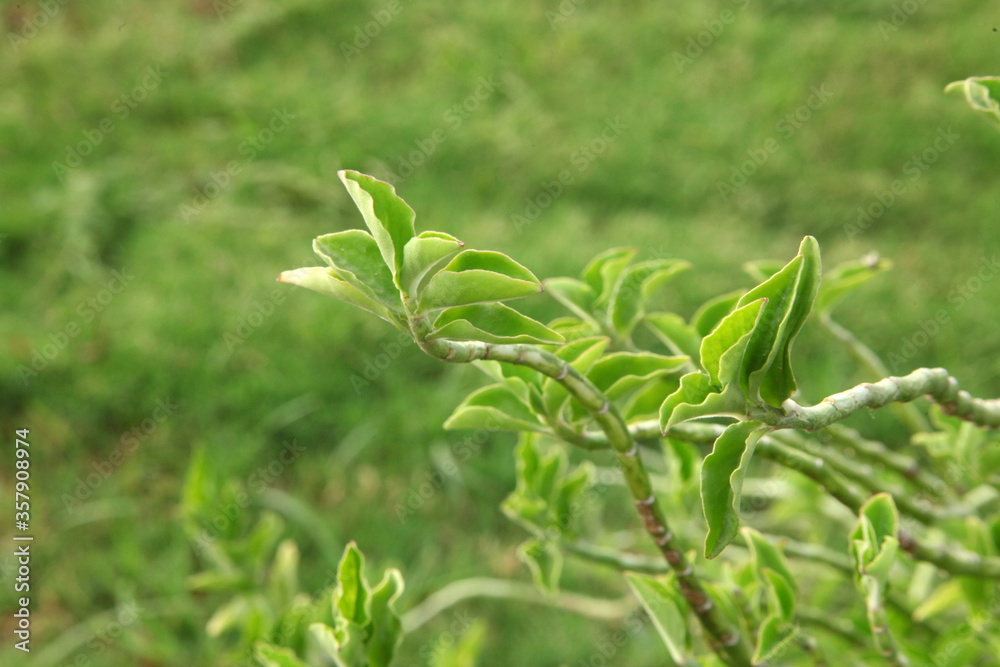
952,560
934,383
836,626
866,477
878,622
911,417
727,640
479,587
905,466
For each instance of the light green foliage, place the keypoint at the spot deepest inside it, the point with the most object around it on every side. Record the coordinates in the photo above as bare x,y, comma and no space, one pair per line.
666,610
981,92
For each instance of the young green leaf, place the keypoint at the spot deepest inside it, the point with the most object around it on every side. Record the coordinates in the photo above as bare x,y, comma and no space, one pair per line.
665,609
781,594
565,506
732,332
710,313
845,279
326,638
491,323
875,540
386,627
351,597
773,637
545,563
354,256
981,92
388,217
577,296
423,256
762,269
764,555
766,374
283,582
675,333
637,285
619,373
478,276
325,281
722,476
603,272
499,406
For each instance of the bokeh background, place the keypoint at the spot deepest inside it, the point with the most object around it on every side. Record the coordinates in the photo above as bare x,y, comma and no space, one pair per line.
161,163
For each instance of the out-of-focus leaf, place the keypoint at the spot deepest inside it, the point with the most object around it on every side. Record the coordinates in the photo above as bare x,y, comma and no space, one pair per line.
577,296
637,285
668,613
762,269
283,578
545,563
386,627
492,323
772,638
846,278
675,333
981,92
277,656
764,555
478,276
618,373
603,272
710,313
351,596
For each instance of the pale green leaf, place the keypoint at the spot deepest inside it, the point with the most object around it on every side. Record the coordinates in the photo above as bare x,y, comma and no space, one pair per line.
675,333
781,594
498,407
603,272
282,580
577,296
388,217
637,285
354,256
325,281
732,331
773,637
668,613
722,476
386,627
351,597
710,313
845,279
619,373
764,554
277,656
423,256
491,323
981,92
478,276
545,563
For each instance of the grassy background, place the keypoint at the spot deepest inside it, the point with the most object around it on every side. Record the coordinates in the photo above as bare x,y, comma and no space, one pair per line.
194,279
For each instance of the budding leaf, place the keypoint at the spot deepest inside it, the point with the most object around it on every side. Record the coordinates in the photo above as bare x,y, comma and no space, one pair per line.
732,332
388,217
491,323
981,92
351,597
845,279
722,476
478,276
766,374
354,256
545,563
603,272
423,256
635,288
386,626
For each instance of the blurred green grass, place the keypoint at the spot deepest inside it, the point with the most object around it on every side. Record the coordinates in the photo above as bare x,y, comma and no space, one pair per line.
169,333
